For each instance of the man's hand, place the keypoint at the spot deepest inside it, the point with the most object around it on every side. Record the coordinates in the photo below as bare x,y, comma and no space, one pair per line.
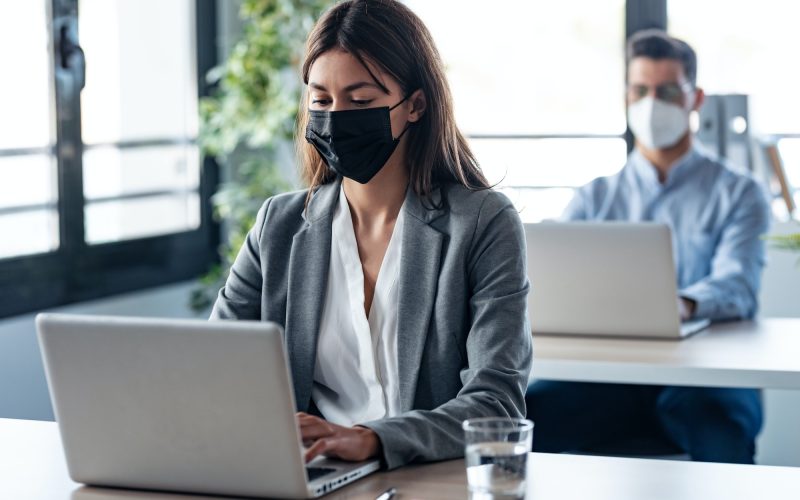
686,308
346,443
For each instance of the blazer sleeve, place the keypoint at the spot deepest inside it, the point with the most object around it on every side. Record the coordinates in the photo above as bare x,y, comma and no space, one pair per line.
498,347
240,297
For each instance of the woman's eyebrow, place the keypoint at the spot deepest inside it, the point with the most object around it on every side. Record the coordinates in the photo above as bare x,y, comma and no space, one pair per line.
349,88
361,85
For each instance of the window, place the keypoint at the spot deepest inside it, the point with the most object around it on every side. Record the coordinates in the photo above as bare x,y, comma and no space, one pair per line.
28,189
102,189
753,53
139,119
539,91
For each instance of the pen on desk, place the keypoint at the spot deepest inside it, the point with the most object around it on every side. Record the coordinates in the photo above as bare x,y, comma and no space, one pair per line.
387,495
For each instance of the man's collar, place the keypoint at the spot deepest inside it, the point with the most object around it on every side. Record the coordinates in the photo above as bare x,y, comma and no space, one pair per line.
648,172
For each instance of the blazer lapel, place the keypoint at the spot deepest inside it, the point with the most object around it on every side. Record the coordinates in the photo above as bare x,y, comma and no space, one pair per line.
308,278
419,275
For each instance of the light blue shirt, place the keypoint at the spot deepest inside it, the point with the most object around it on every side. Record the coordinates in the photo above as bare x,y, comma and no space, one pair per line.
717,217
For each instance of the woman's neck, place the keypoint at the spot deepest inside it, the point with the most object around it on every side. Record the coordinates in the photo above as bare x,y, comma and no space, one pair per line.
379,201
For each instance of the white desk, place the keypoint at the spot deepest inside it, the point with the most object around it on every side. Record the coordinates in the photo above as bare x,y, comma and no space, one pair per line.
32,468
762,354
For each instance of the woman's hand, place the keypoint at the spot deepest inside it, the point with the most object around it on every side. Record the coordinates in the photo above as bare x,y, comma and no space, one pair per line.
353,444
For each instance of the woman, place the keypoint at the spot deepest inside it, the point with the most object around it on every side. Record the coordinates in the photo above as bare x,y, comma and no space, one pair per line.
399,276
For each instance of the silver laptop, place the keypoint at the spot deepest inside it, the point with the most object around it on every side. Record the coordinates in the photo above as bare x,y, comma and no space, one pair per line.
608,278
180,405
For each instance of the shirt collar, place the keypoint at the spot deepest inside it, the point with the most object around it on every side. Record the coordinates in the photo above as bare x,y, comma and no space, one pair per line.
648,173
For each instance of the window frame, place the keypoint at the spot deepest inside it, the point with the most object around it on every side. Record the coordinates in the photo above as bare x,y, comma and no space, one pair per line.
77,271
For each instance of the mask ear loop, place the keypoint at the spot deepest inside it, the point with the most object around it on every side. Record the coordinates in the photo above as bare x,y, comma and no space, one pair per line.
401,102
408,124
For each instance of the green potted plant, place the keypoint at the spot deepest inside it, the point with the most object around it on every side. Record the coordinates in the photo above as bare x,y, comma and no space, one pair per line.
786,242
248,123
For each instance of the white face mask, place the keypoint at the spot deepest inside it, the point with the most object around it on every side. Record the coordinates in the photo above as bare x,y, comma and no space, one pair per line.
658,124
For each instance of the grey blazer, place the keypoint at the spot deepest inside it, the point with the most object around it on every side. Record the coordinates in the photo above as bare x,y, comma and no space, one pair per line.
464,343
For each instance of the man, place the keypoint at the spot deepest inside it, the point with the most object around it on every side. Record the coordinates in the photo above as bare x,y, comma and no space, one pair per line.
717,217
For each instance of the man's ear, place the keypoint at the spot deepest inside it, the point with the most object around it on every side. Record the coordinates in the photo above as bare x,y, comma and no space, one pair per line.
417,105
699,98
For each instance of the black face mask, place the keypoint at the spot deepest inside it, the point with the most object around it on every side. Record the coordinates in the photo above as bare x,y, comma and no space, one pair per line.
355,143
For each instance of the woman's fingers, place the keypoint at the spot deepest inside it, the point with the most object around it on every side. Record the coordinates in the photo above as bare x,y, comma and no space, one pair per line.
323,446
316,431
306,418
345,446
313,428
323,438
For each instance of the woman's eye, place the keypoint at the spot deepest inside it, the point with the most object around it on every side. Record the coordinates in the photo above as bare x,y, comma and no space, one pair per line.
321,102
361,102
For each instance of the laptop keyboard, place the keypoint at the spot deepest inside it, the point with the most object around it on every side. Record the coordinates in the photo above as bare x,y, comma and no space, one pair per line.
318,472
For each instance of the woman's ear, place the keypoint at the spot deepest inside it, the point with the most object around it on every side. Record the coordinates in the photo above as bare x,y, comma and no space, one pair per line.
417,105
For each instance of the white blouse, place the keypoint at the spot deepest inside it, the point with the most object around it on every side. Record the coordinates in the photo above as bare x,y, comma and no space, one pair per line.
355,375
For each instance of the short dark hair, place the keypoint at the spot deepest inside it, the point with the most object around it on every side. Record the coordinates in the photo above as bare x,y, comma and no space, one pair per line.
656,44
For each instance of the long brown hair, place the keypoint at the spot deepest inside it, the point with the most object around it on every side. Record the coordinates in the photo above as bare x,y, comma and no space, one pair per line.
390,36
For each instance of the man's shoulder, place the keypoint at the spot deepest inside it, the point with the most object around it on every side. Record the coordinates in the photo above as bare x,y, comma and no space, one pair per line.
728,176
599,186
